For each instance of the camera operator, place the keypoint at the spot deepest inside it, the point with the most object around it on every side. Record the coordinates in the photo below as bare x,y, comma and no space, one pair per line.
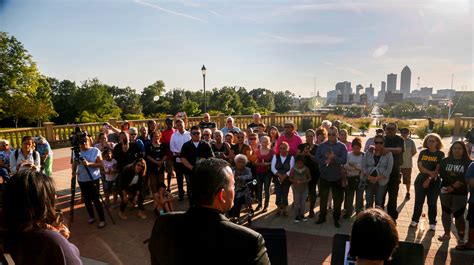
92,159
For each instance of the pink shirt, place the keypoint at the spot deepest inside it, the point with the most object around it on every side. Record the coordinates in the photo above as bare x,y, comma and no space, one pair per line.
293,142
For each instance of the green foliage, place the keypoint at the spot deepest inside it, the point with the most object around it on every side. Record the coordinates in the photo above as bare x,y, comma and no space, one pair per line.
64,100
127,100
147,98
191,108
133,117
284,101
464,105
97,101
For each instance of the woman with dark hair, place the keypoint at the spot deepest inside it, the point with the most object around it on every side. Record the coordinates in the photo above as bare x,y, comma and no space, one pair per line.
101,142
427,182
454,189
220,148
155,155
125,152
321,135
376,169
274,135
353,169
240,147
36,232
379,227
90,183
131,185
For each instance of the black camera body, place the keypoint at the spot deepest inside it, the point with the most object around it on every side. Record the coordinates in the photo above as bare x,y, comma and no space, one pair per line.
77,138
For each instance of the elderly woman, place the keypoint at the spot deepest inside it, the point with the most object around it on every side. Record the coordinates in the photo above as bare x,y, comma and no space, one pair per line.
229,126
427,182
376,169
242,175
281,166
46,155
221,149
36,233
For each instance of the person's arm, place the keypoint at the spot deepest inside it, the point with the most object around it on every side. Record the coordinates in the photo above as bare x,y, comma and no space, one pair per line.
96,163
184,160
320,157
174,148
292,176
274,171
261,257
413,149
308,175
13,162
37,161
387,170
341,156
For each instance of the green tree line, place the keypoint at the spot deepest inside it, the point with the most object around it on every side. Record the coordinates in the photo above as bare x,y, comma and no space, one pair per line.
28,97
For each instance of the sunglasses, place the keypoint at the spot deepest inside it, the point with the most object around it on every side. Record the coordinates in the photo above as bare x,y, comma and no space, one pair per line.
378,142
195,133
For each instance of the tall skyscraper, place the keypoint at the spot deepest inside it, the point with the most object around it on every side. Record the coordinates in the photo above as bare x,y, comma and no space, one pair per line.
405,81
391,82
383,85
370,92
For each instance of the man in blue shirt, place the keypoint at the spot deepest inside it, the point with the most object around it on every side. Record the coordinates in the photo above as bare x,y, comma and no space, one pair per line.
331,156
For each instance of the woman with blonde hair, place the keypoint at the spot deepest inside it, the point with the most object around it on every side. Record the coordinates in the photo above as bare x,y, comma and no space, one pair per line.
427,182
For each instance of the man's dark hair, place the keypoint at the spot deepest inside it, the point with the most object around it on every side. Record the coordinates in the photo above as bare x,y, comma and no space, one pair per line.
195,127
208,179
29,200
27,138
404,130
374,236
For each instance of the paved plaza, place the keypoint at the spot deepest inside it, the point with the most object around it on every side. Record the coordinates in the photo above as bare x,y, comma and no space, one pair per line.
307,242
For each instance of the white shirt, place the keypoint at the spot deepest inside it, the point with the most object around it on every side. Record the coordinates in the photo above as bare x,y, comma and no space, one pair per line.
356,160
177,141
29,158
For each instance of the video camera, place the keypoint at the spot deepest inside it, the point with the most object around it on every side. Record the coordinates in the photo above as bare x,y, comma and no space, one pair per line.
77,138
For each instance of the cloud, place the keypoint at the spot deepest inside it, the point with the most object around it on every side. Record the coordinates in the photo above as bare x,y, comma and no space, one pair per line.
141,2
309,39
380,51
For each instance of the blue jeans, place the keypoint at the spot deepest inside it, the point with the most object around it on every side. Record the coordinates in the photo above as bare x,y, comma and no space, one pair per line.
431,193
374,189
263,181
281,190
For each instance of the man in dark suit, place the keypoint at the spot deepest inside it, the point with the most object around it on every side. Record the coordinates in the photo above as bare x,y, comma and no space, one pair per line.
203,235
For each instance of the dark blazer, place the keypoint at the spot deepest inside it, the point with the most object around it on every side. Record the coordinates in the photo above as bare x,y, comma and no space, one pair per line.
204,236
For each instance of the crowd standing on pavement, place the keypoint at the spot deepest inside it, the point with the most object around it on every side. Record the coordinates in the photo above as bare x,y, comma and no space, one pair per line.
137,164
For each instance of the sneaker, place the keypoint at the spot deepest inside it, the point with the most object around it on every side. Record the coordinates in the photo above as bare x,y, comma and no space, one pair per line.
101,225
297,219
432,227
91,220
303,218
407,196
259,207
413,224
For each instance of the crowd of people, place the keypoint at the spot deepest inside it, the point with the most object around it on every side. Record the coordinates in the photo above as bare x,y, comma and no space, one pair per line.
139,163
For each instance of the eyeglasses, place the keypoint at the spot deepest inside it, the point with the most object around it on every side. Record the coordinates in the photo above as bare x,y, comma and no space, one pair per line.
378,142
196,133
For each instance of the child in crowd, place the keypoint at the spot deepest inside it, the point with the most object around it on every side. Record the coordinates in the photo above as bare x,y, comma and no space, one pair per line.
163,200
299,177
111,173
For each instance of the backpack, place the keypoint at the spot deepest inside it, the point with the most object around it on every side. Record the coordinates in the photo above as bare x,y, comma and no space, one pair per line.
35,155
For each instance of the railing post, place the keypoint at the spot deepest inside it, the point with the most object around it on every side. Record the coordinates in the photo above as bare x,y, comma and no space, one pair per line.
324,116
221,122
113,122
273,119
48,126
457,124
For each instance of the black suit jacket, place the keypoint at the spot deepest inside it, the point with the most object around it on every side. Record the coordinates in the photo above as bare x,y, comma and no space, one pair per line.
204,236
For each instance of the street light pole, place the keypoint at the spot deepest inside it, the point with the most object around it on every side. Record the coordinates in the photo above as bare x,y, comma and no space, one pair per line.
203,70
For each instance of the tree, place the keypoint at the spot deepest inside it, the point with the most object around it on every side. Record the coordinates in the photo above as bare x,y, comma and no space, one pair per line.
463,104
148,97
191,107
433,111
64,100
19,81
284,101
127,100
98,101
264,99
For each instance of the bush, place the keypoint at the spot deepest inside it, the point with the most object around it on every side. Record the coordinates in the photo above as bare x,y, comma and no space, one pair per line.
134,117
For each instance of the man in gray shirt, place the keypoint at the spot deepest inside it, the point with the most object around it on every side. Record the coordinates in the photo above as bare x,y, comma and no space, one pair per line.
331,156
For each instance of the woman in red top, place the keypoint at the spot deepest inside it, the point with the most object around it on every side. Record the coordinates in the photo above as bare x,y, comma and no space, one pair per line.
264,159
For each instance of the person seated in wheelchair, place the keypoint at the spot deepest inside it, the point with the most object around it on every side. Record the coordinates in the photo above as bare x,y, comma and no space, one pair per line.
242,176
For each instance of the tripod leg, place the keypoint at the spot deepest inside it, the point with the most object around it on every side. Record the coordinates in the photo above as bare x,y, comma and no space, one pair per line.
97,189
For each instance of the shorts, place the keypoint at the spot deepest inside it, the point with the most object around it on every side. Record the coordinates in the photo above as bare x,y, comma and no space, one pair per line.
470,215
406,174
110,186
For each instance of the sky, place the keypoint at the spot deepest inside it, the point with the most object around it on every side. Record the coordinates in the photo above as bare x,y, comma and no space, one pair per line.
278,45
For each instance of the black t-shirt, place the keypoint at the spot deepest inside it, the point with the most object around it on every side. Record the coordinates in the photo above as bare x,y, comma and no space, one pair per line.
254,126
235,148
190,152
157,153
452,170
207,125
394,142
308,162
430,160
126,158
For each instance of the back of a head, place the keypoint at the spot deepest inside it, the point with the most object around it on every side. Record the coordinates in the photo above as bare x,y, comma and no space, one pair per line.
208,179
374,236
29,199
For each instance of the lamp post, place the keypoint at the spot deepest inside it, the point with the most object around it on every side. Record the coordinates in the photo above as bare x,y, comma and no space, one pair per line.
203,70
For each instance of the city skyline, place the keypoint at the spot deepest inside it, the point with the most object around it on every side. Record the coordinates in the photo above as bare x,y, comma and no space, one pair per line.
277,45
